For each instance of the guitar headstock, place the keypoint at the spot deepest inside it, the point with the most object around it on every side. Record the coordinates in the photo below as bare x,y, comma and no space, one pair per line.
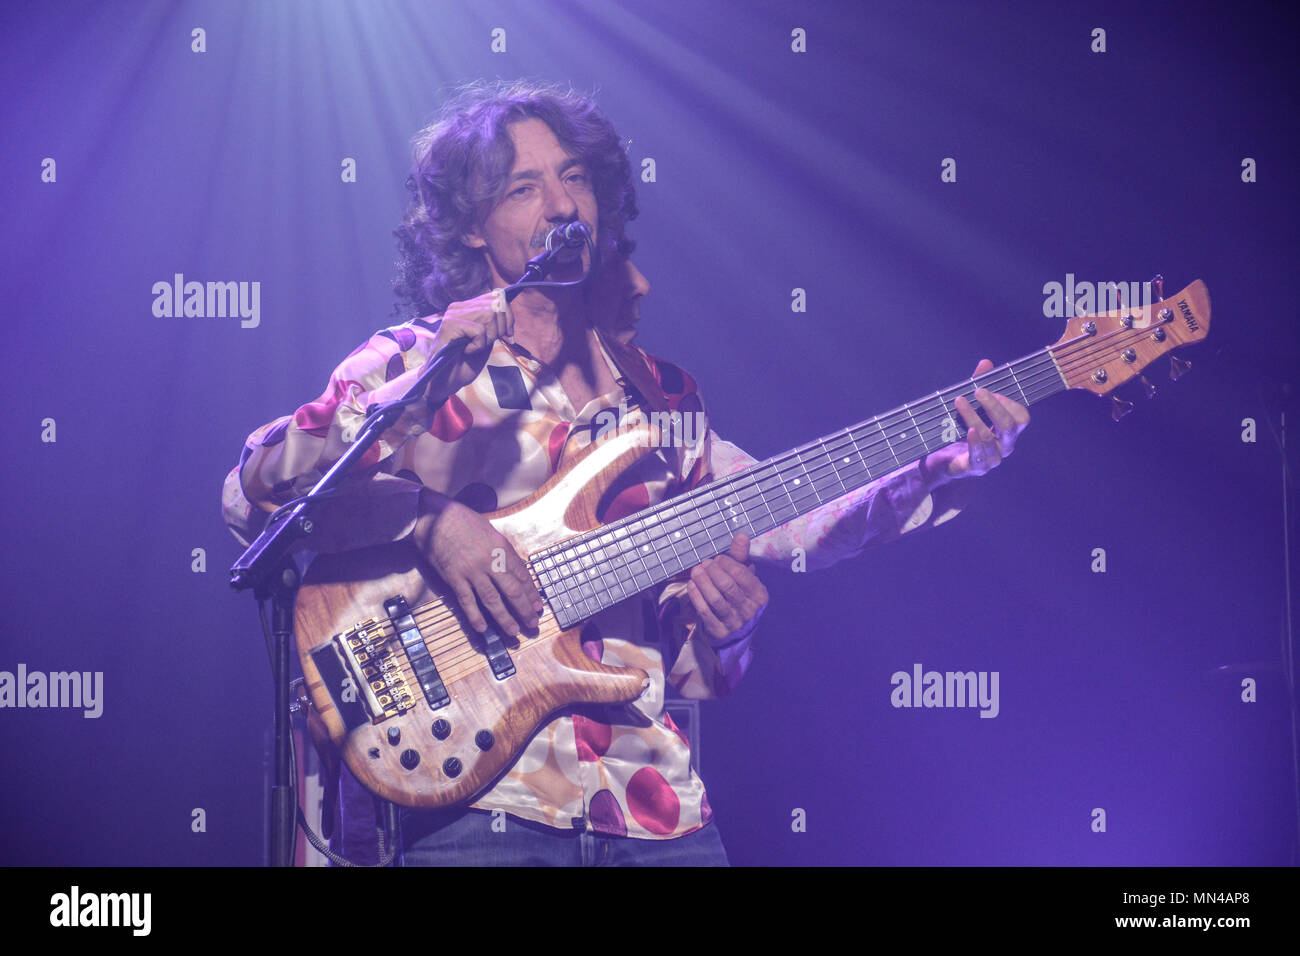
1099,353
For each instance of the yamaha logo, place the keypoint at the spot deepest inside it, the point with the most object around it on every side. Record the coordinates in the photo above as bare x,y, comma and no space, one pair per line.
1187,316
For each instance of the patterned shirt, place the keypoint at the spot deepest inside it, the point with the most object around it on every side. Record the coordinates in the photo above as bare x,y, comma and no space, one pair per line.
622,769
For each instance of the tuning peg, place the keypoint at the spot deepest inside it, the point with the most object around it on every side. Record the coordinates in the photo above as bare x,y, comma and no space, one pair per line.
1178,367
1147,387
1119,408
1158,285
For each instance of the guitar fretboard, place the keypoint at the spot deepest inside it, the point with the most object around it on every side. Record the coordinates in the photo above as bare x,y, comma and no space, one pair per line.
586,574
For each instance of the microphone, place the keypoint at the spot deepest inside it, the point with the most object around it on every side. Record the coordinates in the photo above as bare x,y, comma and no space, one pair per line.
570,235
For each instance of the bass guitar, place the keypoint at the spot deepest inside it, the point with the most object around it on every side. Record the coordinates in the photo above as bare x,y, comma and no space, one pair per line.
426,712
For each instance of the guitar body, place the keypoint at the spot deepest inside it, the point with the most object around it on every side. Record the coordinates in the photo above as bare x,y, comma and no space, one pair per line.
362,673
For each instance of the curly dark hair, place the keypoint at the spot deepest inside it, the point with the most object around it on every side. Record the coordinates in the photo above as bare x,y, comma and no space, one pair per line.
460,164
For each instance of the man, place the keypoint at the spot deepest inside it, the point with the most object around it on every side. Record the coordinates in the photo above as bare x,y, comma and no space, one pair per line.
501,169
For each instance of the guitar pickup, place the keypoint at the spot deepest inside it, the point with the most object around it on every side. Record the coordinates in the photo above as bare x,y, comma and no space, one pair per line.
417,652
342,679
495,651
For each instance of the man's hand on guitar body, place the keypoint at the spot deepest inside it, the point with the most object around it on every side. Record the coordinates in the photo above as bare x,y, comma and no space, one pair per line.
478,563
727,594
984,447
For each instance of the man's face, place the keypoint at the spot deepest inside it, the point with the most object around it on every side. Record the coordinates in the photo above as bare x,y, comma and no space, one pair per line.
546,186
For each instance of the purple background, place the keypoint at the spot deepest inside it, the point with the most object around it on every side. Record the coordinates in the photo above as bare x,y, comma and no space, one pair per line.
775,170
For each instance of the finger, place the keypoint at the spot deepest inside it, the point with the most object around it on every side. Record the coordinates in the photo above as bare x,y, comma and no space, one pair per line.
500,325
1019,414
968,413
739,585
712,626
1006,424
985,365
721,606
502,306
513,591
982,430
998,415
517,567
739,549
487,593
468,605
732,582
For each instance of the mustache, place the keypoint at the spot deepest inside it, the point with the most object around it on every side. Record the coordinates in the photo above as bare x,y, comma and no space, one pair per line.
538,241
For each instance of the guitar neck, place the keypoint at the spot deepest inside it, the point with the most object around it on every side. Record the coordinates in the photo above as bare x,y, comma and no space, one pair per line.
588,573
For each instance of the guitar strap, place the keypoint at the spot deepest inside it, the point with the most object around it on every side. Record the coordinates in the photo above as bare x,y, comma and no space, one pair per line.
636,380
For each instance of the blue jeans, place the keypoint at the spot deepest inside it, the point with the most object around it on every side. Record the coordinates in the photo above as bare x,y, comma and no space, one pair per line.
467,838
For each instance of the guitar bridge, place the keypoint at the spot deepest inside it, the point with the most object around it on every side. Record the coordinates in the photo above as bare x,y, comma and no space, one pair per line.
362,668
363,675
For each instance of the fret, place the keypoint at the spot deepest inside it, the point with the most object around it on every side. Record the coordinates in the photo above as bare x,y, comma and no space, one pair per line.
593,562
613,570
665,536
893,424
861,473
733,502
834,452
823,484
947,418
645,551
589,603
678,534
648,552
775,483
729,528
633,549
938,413
772,522
916,430
687,528
705,522
802,484
1016,381
842,453
785,488
889,448
919,443
833,457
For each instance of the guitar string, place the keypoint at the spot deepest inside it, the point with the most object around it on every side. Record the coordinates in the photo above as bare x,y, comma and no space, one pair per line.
1078,353
1026,385
710,524
992,377
1035,367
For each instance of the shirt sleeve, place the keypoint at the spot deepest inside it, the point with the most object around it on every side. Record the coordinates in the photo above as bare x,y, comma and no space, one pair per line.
287,457
883,510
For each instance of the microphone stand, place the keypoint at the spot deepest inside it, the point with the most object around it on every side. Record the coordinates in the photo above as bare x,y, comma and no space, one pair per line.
267,566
